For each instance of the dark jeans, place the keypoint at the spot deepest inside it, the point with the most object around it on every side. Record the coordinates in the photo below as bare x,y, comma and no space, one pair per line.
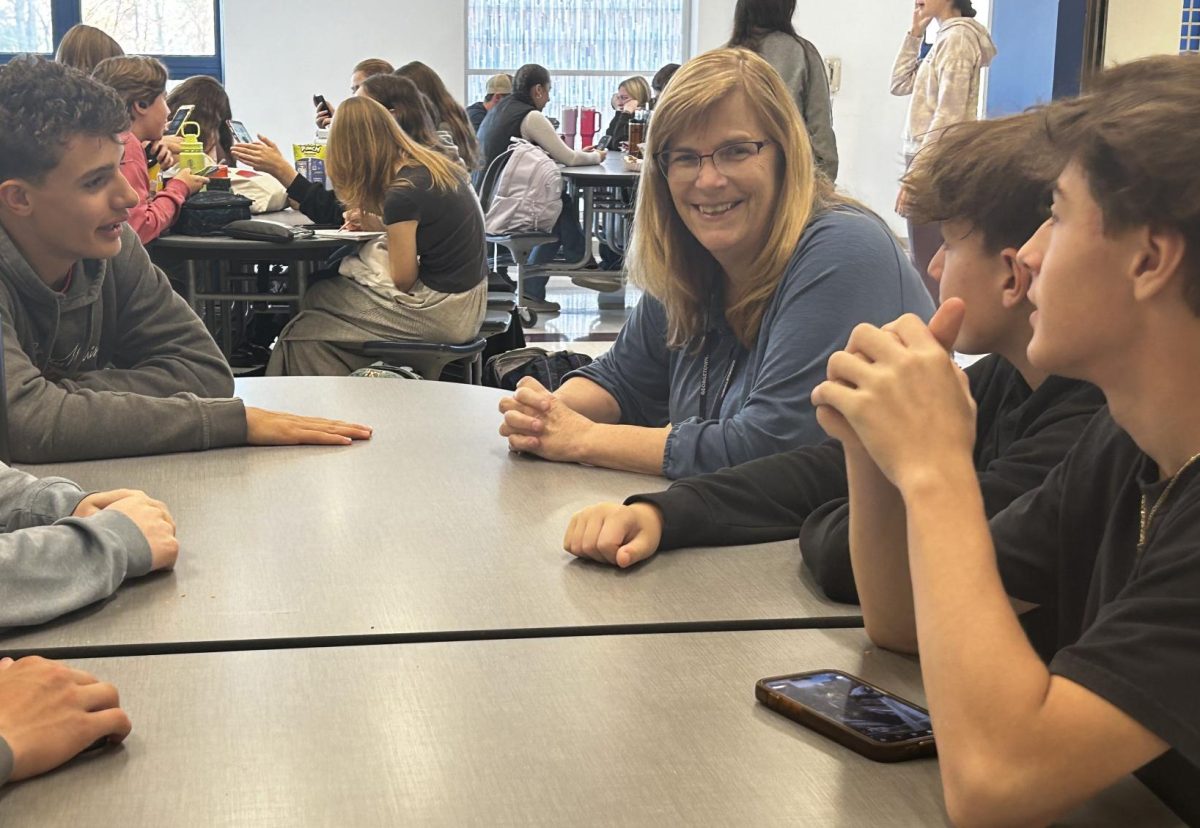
571,240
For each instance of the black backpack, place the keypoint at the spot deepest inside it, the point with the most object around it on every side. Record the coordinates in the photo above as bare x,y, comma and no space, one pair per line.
506,370
207,213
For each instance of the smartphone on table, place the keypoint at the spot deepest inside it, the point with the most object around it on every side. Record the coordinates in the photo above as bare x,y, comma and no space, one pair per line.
867,719
176,123
240,133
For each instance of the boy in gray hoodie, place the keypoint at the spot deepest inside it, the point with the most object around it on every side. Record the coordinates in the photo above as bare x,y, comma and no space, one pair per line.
103,359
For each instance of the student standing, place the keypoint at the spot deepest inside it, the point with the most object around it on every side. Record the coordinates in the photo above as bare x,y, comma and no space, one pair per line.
765,26
944,85
1109,545
102,358
975,182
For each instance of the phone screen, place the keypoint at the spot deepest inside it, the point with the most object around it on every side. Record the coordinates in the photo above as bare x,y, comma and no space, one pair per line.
180,116
240,133
860,707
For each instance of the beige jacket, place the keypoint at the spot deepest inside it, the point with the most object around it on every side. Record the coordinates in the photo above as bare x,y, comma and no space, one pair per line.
945,85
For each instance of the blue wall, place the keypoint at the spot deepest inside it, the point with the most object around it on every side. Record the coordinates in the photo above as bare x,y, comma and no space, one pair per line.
1026,35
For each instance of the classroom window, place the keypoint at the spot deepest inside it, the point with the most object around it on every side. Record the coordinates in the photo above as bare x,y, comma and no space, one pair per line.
1189,35
25,26
184,34
588,46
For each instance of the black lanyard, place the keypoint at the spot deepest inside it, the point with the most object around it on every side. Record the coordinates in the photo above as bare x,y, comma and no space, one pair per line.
705,412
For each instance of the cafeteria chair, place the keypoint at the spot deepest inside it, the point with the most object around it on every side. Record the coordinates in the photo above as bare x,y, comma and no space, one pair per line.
429,359
520,245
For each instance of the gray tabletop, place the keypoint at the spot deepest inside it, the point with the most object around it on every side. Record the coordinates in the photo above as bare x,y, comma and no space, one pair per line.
612,171
613,730
431,530
175,246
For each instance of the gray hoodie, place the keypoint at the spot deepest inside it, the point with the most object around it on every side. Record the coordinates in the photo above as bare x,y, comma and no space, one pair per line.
116,365
945,85
803,71
52,563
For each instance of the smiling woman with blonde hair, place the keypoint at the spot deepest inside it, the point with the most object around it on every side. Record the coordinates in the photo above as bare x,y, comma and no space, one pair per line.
424,280
754,273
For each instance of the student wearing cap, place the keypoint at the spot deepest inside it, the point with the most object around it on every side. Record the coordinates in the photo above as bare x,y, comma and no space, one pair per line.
498,88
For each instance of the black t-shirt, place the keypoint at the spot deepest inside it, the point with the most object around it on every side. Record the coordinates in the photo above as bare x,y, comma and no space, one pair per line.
1127,626
1021,435
449,230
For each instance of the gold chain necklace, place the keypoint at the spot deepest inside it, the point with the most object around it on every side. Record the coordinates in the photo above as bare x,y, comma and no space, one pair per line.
1147,519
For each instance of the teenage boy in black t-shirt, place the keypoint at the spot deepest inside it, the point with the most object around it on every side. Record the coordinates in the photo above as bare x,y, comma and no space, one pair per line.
1110,545
974,181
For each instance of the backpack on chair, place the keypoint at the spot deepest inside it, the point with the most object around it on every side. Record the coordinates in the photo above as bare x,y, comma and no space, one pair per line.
528,195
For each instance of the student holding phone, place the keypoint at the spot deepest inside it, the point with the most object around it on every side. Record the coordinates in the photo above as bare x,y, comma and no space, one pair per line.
1109,544
142,83
362,70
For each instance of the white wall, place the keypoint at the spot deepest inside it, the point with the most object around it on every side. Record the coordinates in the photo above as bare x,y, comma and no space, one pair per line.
278,54
1141,28
868,120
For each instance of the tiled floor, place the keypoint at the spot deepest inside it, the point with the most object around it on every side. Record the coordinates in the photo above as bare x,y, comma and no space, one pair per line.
581,325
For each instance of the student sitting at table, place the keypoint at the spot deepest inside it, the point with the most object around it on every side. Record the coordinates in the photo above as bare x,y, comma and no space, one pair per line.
658,84
520,116
755,271
976,182
83,47
142,84
50,713
631,95
101,357
212,114
449,115
362,70
425,280
1109,545
400,97
62,549
498,88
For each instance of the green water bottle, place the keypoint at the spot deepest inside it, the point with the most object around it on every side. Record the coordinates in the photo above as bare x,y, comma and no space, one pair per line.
191,151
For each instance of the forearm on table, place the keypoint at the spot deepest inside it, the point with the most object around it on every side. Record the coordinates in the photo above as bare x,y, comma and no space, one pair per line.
879,554
627,448
590,399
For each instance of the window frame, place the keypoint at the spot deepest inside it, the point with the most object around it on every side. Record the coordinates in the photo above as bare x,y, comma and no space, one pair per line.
66,13
1189,40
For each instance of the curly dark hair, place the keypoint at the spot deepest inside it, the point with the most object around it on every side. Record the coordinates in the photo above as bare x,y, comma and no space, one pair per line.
43,105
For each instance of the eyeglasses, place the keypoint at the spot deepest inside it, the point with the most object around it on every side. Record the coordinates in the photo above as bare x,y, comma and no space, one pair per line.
681,167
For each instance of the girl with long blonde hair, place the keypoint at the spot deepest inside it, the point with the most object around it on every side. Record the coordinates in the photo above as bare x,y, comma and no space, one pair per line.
423,280
754,273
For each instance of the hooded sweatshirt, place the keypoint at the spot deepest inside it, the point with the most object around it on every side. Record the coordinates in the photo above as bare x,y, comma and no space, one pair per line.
945,84
116,364
52,563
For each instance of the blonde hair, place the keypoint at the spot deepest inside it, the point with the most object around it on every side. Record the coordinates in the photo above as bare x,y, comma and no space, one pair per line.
83,47
665,258
367,151
636,88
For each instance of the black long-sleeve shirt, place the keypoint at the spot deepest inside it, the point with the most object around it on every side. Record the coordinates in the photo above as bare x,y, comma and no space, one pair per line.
1021,435
319,204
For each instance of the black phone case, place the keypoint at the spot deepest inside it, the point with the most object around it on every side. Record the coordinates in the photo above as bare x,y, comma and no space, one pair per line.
921,748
